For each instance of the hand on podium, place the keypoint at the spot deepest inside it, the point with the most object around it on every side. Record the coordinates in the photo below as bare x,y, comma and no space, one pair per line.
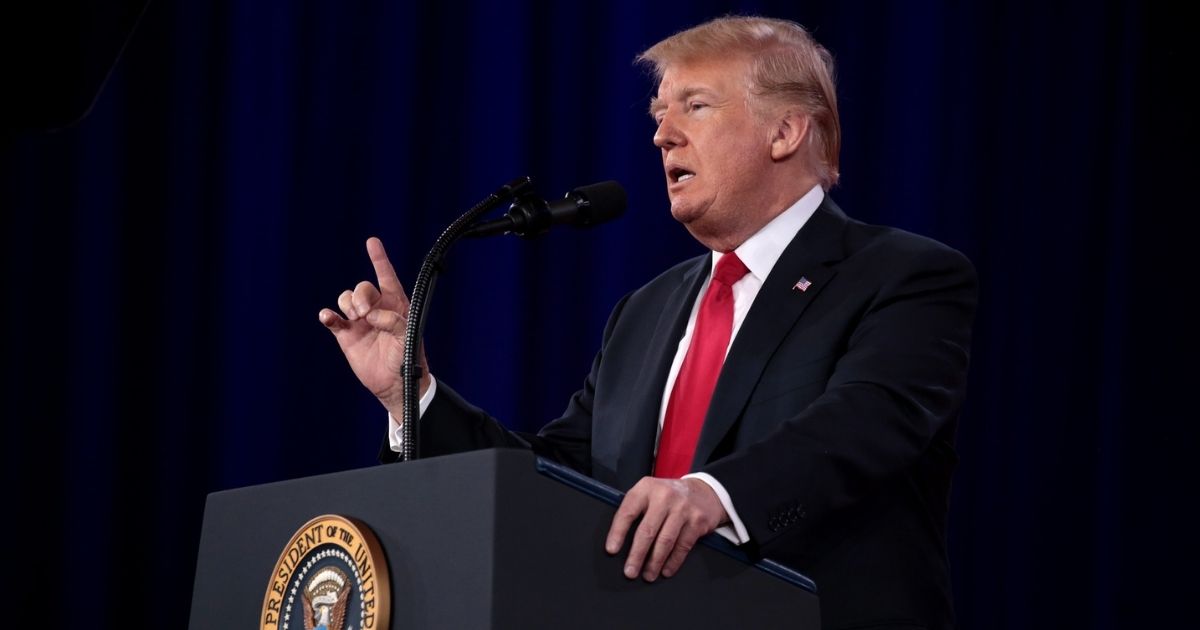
370,332
675,514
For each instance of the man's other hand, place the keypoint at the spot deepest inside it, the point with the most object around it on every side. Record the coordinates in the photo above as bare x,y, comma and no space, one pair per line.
675,513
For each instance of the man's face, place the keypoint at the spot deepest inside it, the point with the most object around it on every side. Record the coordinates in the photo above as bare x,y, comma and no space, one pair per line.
716,152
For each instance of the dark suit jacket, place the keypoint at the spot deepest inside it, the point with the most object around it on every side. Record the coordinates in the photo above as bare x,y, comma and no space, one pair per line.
831,426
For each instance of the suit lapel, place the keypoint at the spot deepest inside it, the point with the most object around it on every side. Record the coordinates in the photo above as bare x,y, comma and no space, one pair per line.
636,459
812,255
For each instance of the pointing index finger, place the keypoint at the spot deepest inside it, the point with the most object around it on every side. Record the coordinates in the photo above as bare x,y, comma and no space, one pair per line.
385,274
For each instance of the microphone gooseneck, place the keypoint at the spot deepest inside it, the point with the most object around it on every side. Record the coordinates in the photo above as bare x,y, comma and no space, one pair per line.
422,288
528,216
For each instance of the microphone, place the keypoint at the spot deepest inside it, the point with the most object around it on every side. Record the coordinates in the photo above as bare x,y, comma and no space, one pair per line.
531,215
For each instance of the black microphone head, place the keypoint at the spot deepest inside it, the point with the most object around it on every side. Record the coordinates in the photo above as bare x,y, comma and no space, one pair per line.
598,203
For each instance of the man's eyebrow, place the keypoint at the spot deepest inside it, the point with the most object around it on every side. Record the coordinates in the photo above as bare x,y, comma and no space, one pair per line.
659,104
656,105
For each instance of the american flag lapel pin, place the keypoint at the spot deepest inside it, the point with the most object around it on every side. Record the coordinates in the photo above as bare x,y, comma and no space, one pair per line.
802,285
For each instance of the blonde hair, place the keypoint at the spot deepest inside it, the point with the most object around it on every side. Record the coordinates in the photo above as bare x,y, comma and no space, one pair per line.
786,66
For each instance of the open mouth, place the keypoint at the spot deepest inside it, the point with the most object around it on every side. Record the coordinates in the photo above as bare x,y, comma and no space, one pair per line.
678,175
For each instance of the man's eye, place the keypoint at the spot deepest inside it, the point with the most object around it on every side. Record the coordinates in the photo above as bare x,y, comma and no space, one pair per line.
696,106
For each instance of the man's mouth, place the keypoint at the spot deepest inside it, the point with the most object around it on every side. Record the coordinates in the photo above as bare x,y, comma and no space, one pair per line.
679,175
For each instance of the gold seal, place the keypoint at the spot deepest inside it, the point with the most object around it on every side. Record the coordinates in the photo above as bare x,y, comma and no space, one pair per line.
332,575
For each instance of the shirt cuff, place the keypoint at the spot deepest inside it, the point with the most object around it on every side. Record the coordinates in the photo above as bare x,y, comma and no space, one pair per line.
395,435
735,532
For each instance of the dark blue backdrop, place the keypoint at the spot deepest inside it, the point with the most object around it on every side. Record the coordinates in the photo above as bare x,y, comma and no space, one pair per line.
164,261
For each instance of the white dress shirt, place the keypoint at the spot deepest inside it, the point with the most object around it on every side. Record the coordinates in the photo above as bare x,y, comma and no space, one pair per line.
759,253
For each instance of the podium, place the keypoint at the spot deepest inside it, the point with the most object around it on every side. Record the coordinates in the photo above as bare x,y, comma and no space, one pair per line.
485,539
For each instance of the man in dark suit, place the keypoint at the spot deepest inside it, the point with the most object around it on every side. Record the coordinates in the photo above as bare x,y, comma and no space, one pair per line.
806,374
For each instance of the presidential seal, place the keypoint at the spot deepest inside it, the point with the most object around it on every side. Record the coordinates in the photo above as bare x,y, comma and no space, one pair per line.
331,576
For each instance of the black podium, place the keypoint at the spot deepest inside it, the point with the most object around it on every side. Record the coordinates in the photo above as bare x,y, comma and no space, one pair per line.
486,539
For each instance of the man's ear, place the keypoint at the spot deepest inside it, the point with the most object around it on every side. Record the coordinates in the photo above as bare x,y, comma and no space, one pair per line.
790,133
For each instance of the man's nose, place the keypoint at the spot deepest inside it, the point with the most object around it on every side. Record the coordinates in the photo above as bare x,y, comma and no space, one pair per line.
667,135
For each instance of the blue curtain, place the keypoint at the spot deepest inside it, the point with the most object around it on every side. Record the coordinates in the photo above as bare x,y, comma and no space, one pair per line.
165,258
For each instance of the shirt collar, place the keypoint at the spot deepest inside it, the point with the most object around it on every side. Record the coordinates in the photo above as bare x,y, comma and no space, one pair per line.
761,251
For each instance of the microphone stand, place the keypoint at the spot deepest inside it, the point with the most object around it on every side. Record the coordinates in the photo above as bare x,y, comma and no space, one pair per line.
410,371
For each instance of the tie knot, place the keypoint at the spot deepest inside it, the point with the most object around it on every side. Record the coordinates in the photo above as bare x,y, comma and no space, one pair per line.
729,270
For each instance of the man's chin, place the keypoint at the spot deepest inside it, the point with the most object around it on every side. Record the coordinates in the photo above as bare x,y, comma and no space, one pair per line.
685,213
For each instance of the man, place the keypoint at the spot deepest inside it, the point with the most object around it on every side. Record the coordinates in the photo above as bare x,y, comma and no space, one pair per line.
807,373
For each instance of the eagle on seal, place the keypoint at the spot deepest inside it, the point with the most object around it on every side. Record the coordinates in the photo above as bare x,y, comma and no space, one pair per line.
325,599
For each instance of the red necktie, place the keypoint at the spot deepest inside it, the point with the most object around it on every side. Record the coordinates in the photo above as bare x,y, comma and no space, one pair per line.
698,375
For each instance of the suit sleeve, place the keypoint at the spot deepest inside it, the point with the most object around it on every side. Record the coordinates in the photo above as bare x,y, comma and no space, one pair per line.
892,393
452,425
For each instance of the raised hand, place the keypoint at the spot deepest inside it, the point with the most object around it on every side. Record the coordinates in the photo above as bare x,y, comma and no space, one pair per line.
370,331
